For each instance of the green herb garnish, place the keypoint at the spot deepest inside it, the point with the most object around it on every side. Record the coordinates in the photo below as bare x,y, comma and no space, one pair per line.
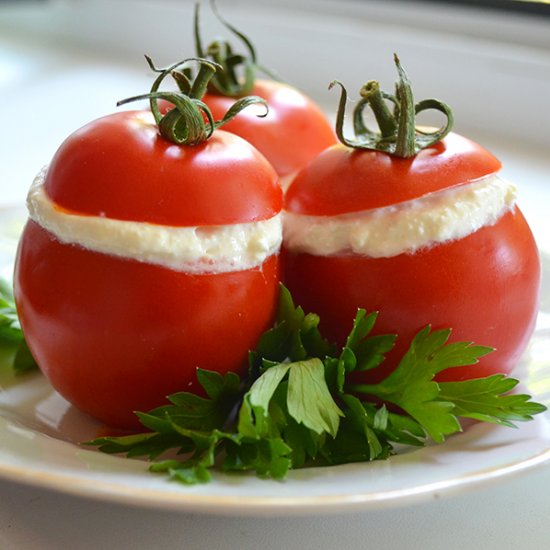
296,409
11,335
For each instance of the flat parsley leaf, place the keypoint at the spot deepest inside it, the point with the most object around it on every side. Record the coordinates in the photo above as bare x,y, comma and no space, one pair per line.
487,400
412,387
309,399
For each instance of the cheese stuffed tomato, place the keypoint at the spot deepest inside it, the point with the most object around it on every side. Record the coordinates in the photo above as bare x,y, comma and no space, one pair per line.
425,232
144,260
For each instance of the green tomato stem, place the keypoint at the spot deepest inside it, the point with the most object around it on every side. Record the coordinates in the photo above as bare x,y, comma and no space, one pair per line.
405,145
203,78
372,96
190,121
397,133
227,81
239,69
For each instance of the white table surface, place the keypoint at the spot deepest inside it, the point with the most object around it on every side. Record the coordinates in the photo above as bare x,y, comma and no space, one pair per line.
509,515
43,75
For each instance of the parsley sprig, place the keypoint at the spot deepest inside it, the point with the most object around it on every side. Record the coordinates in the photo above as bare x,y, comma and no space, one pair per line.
296,409
11,335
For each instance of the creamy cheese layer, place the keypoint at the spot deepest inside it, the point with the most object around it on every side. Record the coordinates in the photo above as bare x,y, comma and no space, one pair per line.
405,227
205,249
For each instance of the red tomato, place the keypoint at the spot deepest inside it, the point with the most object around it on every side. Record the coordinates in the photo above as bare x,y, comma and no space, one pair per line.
292,134
115,335
484,286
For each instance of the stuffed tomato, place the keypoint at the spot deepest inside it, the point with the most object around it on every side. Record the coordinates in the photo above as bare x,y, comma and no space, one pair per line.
418,226
145,259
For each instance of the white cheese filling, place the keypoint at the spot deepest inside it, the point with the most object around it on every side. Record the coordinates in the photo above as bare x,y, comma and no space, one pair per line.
405,227
205,249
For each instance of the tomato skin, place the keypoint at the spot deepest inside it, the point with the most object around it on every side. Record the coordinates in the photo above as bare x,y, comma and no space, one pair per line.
115,335
484,286
120,167
292,134
343,180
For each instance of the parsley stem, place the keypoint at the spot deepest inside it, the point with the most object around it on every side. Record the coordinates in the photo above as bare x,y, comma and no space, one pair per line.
369,389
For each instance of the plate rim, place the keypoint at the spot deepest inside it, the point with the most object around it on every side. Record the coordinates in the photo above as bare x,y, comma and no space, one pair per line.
256,505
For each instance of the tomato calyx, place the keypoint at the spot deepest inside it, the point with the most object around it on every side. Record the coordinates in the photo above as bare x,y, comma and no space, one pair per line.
190,120
398,134
228,82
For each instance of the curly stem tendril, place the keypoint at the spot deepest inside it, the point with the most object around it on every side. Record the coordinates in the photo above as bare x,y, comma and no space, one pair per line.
239,70
190,121
397,133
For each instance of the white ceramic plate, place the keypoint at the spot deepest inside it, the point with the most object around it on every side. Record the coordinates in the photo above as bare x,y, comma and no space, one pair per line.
40,434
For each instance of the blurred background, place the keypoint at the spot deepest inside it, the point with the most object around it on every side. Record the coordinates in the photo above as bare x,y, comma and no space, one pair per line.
65,62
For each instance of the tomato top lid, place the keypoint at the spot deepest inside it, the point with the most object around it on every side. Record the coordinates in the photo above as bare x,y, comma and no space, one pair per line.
343,180
120,167
167,168
399,162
